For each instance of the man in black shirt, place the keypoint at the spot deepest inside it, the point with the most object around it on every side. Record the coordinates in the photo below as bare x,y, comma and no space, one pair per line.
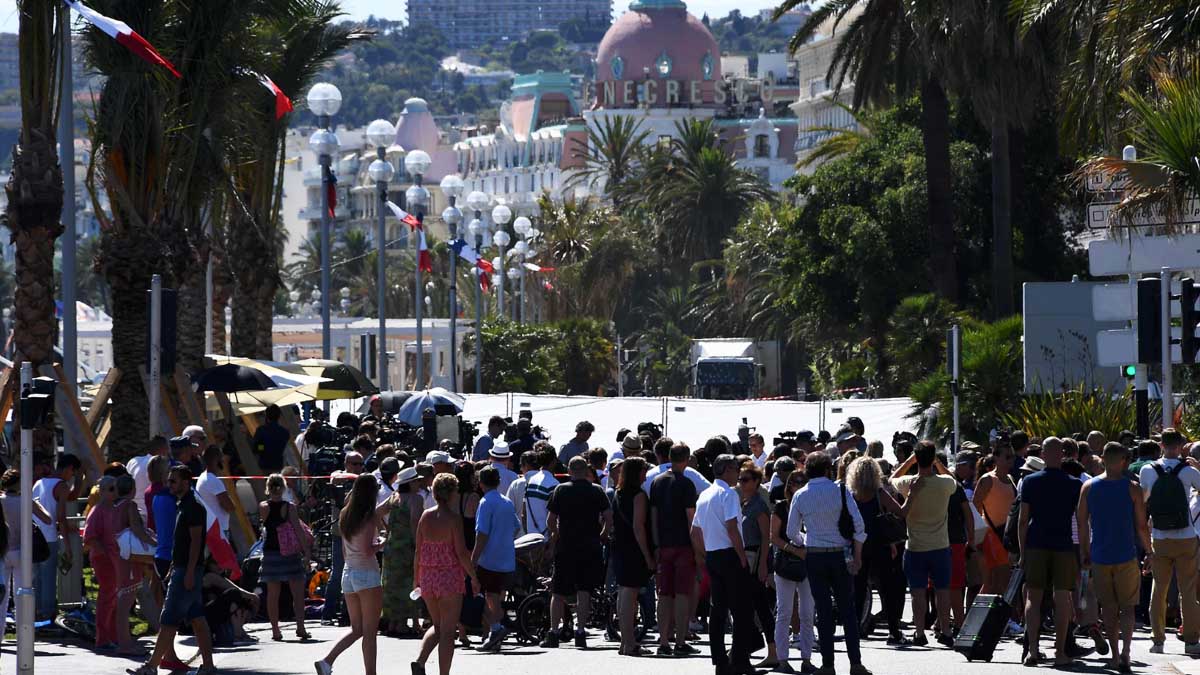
184,600
578,523
672,506
270,440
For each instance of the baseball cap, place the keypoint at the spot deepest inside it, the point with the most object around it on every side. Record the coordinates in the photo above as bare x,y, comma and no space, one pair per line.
181,442
965,457
437,457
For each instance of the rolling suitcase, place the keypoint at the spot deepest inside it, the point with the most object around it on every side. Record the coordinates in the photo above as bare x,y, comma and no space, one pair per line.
983,627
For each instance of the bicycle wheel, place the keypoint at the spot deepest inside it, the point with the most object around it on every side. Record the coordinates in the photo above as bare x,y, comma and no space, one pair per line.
866,618
533,616
77,626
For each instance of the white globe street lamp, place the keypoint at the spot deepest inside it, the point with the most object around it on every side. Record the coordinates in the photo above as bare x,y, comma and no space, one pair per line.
324,100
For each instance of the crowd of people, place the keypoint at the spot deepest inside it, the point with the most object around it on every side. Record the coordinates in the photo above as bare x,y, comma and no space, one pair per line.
777,546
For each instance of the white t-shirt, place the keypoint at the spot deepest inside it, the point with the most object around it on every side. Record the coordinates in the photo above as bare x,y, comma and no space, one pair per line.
716,506
139,470
516,495
43,493
1191,484
761,460
208,488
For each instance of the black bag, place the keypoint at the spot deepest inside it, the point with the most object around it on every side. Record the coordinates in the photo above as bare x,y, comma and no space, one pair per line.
983,627
41,550
789,566
845,520
1011,526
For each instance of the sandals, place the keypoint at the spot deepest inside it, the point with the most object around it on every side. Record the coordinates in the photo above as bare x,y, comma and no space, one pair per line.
303,634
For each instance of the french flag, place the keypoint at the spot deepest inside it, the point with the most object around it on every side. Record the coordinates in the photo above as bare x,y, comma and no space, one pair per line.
283,104
424,260
485,267
219,547
537,268
124,35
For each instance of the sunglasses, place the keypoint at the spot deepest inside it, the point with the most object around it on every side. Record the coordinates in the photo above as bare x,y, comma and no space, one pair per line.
745,479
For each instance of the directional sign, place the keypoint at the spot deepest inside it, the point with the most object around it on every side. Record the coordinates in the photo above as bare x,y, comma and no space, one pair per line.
1115,302
1107,182
1100,216
1119,347
1137,254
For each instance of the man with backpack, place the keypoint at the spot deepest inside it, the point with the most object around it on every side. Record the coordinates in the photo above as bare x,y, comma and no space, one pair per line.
1168,484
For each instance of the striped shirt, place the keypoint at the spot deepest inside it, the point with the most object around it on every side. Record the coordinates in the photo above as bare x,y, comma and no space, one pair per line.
816,508
537,497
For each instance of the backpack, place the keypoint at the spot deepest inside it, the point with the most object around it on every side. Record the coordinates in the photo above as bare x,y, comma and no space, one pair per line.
1168,503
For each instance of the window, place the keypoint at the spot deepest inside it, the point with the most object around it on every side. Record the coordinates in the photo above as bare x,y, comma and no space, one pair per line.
617,65
762,146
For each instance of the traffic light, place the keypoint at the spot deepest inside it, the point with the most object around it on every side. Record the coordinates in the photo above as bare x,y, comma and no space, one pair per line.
37,402
1149,321
1188,318
1130,371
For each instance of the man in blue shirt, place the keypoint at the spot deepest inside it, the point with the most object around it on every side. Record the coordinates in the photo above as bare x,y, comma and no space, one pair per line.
494,433
494,555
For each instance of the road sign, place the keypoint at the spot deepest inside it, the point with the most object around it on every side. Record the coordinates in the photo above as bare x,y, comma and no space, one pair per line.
1100,216
1114,302
1107,182
1119,347
1137,254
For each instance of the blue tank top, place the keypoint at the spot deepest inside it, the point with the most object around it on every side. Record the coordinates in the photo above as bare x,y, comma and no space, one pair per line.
1114,538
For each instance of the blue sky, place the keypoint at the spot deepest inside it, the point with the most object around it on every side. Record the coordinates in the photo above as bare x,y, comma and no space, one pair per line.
390,9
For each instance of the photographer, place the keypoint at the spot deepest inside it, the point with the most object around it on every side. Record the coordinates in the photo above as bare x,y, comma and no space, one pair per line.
495,432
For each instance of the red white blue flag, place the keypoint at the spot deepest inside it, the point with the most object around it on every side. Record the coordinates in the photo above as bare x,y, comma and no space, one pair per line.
124,35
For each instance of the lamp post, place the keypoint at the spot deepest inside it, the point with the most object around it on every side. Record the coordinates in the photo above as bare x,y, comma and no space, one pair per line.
522,226
452,187
324,100
345,302
417,198
501,215
530,254
478,201
514,275
381,134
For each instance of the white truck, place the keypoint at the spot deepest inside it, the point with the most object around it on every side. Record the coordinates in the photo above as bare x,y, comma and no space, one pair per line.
734,368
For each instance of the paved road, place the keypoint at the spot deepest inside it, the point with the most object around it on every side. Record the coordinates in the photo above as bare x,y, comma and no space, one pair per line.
272,658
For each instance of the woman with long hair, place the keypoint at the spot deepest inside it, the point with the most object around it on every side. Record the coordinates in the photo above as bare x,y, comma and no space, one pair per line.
756,533
442,561
631,557
277,568
882,560
401,614
359,522
995,492
790,593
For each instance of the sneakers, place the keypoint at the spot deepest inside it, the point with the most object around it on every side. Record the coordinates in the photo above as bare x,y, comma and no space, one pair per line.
550,641
1192,649
1157,648
494,640
581,639
665,650
1014,629
323,668
685,650
919,640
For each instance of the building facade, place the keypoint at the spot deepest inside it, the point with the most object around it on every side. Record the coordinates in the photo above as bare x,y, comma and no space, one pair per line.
817,104
469,23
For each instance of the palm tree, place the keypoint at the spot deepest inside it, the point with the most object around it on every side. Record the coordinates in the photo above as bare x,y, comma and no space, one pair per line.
837,141
880,52
35,187
609,156
1166,130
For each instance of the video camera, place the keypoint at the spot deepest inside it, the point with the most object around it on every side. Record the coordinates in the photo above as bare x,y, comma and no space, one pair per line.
787,438
651,429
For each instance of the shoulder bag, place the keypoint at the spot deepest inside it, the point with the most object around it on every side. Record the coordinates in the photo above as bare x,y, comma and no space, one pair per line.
845,520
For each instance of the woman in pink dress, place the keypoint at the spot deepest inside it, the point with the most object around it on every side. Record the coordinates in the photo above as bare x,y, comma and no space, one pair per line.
441,563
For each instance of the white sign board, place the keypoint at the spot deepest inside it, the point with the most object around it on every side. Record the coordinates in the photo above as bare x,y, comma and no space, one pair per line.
1100,216
1138,254
1107,182
1119,347
1117,302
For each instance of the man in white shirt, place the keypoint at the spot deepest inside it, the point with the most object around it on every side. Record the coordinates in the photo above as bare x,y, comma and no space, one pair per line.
662,452
516,491
211,490
53,493
758,450
716,531
537,492
386,474
1174,540
500,457
139,466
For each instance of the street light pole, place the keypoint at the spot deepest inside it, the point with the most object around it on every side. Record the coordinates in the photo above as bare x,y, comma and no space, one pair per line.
66,145
324,100
381,133
452,187
501,215
477,201
416,197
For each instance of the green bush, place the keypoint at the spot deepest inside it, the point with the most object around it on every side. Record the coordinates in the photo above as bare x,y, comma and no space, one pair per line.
566,357
1076,410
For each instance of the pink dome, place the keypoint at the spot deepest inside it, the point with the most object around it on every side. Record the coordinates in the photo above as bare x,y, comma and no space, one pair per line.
417,130
659,35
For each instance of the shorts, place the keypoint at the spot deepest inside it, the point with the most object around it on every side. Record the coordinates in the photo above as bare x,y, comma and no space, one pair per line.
1117,585
958,566
1051,570
493,582
181,604
676,573
354,580
163,567
922,567
577,570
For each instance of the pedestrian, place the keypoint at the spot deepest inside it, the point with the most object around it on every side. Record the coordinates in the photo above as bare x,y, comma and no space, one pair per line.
360,521
530,465
1049,499
538,488
630,550
1168,483
577,445
883,552
401,613
756,535
112,573
211,490
270,441
495,434
53,494
443,560
578,520
793,590
1112,519
995,492
500,457
284,558
494,554
184,600
833,543
715,526
672,508
138,466
758,449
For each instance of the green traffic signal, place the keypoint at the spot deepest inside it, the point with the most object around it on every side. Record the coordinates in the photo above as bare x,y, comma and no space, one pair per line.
1130,370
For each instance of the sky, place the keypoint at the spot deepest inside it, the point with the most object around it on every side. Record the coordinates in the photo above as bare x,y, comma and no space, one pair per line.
361,9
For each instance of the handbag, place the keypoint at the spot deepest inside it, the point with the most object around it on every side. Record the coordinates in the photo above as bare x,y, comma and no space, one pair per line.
290,539
41,549
789,566
132,547
845,521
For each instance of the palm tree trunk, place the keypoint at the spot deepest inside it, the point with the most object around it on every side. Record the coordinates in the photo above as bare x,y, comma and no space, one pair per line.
935,133
190,320
243,335
264,310
1002,263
